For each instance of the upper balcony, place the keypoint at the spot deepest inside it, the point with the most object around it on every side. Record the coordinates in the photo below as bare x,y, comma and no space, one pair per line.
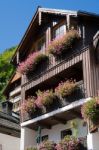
54,64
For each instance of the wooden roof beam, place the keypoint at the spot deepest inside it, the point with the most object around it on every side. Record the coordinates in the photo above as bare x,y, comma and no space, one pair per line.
40,17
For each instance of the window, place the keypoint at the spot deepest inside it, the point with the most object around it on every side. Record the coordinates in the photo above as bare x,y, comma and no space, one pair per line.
41,44
59,31
45,137
65,132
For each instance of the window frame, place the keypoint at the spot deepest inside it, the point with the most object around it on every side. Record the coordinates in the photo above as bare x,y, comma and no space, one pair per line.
44,137
66,130
56,27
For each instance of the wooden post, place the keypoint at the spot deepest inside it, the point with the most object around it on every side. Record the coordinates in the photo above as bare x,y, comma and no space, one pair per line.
48,36
68,21
23,98
17,57
83,28
40,17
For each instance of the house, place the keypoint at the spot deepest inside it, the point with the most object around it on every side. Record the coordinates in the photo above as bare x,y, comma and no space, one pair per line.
12,91
9,128
59,46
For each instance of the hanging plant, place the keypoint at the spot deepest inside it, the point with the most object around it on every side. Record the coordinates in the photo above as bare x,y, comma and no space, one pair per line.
74,126
31,62
90,113
65,88
62,44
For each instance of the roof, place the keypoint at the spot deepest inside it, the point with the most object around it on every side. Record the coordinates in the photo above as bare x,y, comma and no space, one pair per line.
38,14
9,125
15,76
9,121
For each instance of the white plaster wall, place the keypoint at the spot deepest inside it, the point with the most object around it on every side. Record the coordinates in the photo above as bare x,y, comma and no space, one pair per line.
55,132
28,138
93,141
9,142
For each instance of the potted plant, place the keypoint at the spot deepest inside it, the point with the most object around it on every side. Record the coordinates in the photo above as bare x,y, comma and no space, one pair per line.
90,113
63,43
65,89
31,63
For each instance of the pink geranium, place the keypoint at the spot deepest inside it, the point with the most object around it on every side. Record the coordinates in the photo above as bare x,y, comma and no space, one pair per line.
45,98
65,88
30,63
63,43
28,106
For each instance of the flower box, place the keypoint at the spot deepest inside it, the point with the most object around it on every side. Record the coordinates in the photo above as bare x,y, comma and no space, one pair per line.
63,44
46,145
31,63
70,143
47,99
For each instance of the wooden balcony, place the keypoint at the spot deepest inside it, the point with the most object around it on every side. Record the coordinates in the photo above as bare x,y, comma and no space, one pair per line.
77,95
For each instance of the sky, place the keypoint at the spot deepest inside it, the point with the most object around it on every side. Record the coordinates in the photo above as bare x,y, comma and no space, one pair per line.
15,16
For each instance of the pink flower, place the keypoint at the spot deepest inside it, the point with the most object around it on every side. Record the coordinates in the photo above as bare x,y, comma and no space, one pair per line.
38,102
57,46
30,63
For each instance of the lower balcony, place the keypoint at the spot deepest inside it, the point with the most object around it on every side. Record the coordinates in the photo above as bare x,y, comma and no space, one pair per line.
59,103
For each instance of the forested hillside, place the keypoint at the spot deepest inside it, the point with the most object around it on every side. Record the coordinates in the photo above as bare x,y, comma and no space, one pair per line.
6,69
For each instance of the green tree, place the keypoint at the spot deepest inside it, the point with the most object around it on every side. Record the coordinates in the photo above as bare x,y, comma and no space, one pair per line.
6,69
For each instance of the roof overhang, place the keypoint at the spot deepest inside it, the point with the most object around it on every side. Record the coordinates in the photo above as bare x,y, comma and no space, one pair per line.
38,17
16,76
